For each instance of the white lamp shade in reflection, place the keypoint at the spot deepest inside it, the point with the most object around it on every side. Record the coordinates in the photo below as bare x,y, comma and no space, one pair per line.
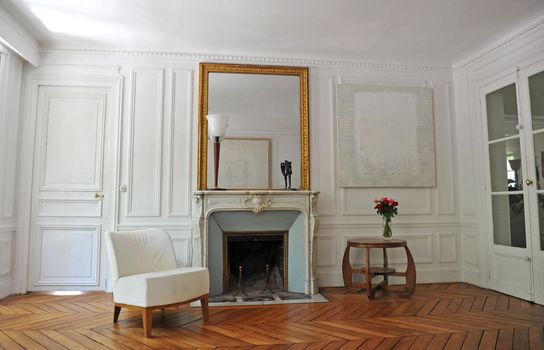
217,126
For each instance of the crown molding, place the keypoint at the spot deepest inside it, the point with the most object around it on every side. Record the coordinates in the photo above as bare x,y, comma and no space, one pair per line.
471,59
197,57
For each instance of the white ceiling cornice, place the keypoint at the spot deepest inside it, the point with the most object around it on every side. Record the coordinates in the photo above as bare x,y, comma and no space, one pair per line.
196,57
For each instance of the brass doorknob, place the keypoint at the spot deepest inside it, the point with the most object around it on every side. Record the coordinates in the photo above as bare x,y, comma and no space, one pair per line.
528,182
98,195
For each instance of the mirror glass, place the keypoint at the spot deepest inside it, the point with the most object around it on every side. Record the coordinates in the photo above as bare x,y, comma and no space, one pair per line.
264,128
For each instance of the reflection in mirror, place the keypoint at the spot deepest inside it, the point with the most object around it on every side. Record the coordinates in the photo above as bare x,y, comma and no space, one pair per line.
263,130
267,108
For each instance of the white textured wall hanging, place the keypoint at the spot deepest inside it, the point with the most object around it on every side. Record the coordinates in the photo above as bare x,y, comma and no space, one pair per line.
385,136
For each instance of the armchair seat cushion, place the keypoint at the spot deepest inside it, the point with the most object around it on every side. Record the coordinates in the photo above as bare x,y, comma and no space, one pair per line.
162,287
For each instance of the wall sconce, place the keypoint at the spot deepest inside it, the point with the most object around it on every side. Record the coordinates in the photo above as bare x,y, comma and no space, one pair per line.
217,127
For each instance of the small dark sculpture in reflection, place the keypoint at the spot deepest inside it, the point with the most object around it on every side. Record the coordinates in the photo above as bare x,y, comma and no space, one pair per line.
287,171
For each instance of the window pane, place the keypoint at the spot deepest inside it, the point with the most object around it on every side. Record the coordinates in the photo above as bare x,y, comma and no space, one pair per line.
508,220
502,112
505,166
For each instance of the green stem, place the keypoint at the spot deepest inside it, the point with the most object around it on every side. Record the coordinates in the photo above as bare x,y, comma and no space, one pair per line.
387,232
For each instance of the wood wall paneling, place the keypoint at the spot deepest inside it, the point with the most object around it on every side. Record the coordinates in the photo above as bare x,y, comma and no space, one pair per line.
158,147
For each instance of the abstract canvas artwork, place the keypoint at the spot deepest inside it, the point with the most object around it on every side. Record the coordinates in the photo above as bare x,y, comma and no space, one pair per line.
385,136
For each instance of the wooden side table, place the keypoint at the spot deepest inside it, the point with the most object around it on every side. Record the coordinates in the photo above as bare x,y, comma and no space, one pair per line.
370,272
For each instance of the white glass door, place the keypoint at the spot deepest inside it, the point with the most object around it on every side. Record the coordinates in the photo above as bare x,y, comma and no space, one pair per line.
510,268
531,85
514,113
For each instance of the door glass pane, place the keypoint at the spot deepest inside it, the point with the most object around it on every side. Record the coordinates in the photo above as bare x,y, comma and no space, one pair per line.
536,92
538,139
502,112
541,219
508,220
505,166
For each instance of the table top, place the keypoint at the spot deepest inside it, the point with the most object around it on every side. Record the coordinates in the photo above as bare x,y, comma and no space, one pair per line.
376,243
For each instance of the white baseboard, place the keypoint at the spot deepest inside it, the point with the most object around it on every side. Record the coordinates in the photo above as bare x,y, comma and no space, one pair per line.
6,287
472,277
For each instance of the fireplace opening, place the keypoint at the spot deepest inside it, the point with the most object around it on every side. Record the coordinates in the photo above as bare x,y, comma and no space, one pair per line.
255,262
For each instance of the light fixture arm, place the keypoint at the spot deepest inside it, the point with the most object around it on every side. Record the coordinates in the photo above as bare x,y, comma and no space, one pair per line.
216,149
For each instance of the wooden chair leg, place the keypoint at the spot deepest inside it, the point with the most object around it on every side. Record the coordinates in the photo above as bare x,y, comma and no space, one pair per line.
116,312
204,305
147,318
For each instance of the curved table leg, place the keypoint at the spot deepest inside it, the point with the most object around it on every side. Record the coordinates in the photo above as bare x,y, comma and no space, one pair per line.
368,276
346,268
385,265
410,272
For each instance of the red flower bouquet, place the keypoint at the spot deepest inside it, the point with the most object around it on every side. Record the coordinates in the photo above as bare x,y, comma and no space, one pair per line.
387,208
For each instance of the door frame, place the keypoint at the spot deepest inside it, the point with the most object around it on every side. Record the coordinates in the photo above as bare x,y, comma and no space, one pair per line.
87,76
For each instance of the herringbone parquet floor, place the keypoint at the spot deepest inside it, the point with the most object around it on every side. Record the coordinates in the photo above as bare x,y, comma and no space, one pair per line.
437,316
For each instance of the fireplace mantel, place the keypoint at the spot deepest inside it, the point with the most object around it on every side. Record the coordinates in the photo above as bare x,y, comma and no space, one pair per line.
206,203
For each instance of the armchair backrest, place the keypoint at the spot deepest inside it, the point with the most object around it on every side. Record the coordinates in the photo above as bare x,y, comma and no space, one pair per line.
140,251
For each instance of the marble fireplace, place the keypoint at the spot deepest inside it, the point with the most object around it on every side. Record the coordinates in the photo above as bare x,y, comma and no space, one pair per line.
284,221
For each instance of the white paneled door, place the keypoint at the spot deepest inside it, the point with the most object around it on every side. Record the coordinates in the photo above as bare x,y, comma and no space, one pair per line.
73,193
513,110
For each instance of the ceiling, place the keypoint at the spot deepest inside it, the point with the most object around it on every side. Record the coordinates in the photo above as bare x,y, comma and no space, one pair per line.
426,32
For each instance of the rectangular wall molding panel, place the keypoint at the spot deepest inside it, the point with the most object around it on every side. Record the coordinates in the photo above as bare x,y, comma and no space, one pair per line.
145,142
179,150
69,255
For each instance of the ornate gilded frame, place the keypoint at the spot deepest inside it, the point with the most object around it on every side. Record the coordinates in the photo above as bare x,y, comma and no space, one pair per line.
301,72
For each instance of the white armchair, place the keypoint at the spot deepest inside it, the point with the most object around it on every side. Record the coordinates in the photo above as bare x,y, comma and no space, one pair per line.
146,277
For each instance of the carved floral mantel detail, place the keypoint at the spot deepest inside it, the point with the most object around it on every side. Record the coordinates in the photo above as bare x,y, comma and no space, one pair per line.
206,203
257,202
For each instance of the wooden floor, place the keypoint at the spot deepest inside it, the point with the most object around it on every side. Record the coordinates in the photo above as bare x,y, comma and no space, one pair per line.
437,316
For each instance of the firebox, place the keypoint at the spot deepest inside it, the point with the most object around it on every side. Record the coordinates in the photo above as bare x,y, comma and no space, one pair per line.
255,261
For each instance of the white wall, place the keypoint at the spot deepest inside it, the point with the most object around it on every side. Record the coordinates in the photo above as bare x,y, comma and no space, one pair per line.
159,146
519,50
428,216
10,89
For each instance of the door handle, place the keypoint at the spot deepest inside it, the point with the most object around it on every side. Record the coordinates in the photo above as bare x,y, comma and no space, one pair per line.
98,195
528,182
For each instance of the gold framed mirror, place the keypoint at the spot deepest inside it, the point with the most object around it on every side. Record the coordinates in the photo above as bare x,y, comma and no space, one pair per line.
266,105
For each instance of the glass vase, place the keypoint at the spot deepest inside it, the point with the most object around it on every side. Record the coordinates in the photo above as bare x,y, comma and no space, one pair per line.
387,231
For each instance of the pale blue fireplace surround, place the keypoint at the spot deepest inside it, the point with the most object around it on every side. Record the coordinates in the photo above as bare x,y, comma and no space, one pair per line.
266,221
